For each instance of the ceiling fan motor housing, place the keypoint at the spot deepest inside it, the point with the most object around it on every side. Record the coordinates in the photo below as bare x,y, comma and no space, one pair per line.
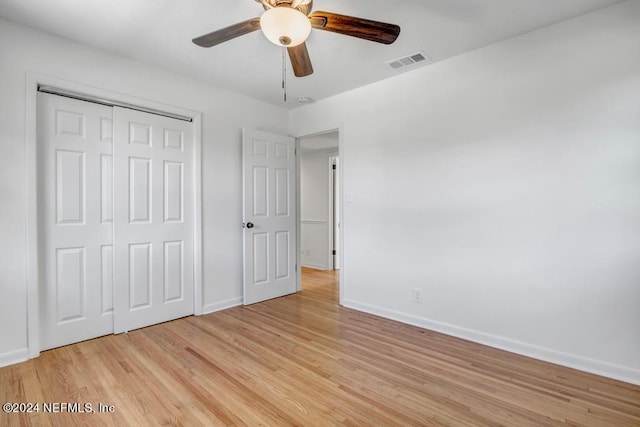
305,6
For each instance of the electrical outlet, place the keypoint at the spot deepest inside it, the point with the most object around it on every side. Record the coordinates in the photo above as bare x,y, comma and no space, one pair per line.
417,296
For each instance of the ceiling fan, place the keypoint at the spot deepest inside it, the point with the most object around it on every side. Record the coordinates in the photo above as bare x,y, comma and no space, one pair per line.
288,23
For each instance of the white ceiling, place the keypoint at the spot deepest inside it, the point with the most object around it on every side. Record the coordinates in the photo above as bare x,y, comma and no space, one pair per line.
160,32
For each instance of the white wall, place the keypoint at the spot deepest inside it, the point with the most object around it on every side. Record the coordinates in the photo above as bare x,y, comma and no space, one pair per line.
315,214
22,51
504,183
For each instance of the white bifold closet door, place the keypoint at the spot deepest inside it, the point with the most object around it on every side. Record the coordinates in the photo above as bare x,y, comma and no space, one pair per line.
115,219
153,216
76,220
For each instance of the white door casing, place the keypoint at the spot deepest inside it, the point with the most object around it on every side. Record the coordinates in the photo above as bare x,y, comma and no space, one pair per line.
335,211
154,251
76,218
269,215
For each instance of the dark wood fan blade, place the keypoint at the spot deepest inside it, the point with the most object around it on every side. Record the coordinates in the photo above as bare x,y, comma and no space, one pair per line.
355,27
300,60
225,34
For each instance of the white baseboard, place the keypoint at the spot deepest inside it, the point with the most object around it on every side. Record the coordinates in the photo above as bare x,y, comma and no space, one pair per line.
597,367
222,305
13,357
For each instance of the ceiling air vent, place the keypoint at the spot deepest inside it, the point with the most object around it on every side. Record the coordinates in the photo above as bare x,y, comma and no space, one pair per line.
408,60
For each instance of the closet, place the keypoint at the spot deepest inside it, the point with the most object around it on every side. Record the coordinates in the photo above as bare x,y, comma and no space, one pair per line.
115,219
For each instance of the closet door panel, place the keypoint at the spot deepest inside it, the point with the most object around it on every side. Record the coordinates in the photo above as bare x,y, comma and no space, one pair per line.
75,215
154,222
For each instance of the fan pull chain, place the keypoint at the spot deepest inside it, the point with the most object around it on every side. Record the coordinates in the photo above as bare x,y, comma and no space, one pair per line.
284,73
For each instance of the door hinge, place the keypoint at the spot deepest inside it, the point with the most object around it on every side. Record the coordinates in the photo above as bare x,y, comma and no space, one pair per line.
334,252
334,167
296,267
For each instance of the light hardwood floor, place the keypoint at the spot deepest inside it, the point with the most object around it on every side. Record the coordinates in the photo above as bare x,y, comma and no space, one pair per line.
303,360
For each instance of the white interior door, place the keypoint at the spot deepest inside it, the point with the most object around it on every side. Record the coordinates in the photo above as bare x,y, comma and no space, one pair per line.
76,220
269,212
154,221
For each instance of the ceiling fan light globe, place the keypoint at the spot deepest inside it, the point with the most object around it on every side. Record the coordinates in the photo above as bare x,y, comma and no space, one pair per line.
285,26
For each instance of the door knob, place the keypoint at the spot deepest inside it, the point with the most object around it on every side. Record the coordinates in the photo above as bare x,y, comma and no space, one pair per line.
249,225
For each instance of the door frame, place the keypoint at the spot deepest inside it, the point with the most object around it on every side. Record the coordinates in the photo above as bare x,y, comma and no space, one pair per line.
334,194
33,267
341,283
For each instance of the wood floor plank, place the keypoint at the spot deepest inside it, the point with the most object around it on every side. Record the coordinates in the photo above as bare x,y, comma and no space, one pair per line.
304,360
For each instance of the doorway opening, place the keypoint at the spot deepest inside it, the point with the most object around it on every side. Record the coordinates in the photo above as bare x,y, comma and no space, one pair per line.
319,219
